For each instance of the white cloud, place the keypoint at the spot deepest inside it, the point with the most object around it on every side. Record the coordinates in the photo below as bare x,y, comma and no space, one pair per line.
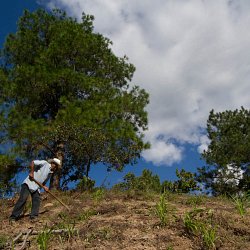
163,153
191,56
204,142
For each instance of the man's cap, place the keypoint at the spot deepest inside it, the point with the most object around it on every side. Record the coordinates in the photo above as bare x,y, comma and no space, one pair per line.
56,161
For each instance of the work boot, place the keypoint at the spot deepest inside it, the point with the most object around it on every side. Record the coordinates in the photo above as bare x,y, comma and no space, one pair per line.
34,219
12,221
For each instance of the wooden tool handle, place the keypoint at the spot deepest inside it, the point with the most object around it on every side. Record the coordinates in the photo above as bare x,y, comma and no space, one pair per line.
42,186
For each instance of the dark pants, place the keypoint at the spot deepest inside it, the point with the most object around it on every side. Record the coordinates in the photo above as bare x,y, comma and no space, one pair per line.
18,209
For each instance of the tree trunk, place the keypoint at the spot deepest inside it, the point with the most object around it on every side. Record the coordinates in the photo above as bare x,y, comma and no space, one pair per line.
88,168
56,177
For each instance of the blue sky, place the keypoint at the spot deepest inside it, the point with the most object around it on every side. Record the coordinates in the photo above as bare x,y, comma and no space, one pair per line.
189,55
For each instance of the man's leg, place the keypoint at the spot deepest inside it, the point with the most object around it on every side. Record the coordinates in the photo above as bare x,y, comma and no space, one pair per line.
35,204
18,209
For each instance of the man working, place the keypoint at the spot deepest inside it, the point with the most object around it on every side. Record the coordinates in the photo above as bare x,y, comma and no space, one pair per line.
40,171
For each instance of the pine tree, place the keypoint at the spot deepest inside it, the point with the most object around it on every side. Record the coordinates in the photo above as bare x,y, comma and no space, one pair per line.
228,153
65,94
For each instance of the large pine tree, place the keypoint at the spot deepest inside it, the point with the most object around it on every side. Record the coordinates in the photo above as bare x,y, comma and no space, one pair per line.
228,154
65,94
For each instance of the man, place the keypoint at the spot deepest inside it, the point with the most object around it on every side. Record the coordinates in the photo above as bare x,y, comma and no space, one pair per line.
41,171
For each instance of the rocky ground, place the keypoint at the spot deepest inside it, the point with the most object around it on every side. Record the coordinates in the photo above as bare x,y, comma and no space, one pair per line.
114,220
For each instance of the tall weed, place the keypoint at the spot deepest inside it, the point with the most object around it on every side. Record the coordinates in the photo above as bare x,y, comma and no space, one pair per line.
43,239
241,204
209,236
198,222
162,210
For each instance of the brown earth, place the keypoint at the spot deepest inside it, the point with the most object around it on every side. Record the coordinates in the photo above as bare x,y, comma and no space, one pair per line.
129,221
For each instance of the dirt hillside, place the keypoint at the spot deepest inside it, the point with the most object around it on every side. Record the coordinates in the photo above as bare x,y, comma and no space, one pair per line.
113,220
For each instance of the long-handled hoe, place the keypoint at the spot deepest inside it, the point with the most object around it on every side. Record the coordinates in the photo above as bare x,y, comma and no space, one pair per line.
42,186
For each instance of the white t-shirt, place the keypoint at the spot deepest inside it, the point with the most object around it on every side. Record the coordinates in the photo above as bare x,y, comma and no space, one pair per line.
42,169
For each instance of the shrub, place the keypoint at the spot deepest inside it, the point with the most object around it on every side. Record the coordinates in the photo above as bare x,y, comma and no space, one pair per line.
186,182
85,184
146,182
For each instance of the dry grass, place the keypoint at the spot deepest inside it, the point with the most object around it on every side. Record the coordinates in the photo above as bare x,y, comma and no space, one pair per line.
128,221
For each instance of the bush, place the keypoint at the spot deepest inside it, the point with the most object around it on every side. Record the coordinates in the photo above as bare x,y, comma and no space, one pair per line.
146,182
85,184
186,182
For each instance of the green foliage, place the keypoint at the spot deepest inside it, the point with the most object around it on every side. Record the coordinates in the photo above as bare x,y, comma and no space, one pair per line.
98,195
66,94
186,183
8,168
247,194
43,239
169,248
147,182
209,236
199,222
241,203
190,225
85,184
168,186
229,134
3,241
70,231
84,216
162,210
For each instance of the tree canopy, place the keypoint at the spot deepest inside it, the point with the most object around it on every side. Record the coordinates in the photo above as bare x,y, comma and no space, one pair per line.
65,94
228,154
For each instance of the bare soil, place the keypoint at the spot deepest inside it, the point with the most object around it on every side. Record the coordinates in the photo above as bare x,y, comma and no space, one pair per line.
125,221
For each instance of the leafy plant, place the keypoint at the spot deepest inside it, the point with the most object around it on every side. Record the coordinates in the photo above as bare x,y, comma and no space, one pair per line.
8,169
170,248
190,223
240,204
167,186
147,182
87,214
98,195
186,182
209,236
85,184
43,239
199,222
162,210
70,231
248,195
3,241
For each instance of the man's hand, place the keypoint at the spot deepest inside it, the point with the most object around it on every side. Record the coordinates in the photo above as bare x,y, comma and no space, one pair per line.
31,176
46,189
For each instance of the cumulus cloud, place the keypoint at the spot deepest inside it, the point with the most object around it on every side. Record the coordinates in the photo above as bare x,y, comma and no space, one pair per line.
191,56
163,153
204,142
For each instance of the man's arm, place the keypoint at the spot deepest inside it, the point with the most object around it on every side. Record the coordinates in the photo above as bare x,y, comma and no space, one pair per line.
31,175
40,184
44,183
